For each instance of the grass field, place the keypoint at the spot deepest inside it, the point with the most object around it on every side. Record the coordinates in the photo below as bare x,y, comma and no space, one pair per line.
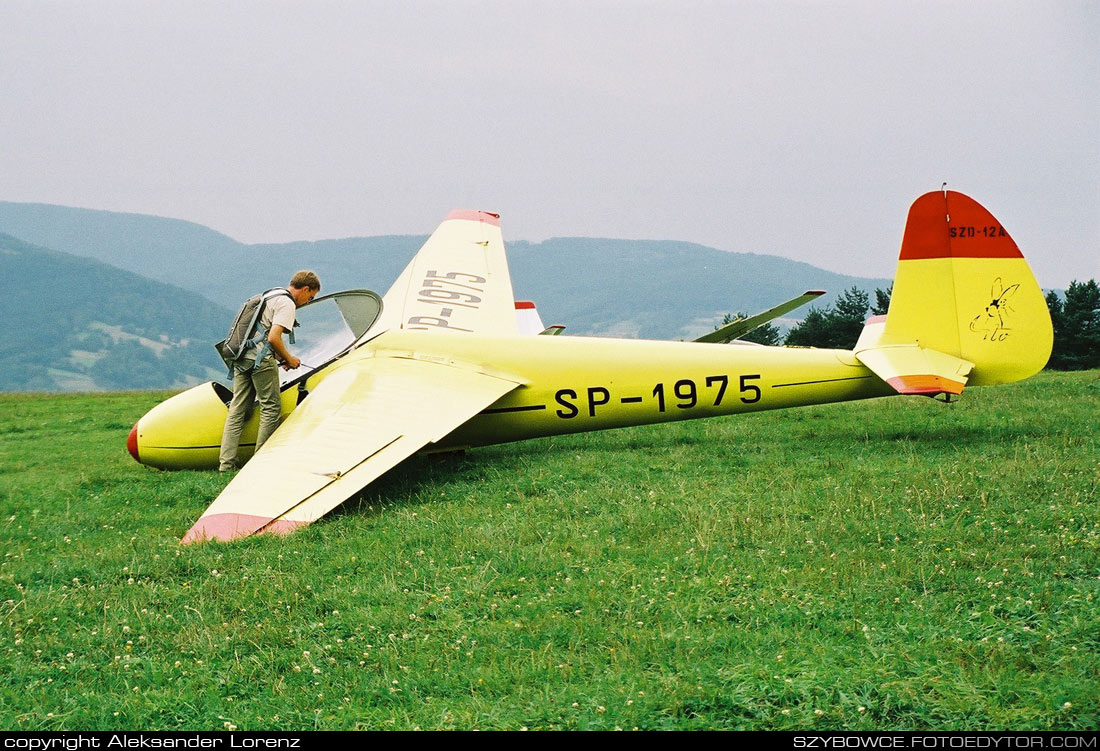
892,564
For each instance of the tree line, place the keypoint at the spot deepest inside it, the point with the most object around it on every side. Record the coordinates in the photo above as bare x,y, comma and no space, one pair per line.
1075,314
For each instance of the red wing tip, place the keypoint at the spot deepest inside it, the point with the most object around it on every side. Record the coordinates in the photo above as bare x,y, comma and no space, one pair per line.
225,527
817,292
876,319
474,216
282,527
925,385
524,305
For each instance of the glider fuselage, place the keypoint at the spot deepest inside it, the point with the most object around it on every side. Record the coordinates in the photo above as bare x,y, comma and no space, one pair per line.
575,384
568,385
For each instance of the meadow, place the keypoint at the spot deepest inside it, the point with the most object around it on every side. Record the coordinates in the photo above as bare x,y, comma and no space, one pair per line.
890,564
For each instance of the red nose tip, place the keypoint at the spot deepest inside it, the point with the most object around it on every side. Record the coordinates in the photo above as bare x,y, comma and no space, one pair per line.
131,443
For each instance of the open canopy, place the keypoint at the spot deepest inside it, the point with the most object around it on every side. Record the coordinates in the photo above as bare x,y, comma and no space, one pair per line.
330,325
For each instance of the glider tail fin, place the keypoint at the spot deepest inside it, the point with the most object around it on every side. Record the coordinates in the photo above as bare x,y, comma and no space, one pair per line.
965,306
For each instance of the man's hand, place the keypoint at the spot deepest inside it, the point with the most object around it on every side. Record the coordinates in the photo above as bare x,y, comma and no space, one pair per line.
275,338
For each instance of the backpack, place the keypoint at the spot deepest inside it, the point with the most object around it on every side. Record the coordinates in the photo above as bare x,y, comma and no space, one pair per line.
243,335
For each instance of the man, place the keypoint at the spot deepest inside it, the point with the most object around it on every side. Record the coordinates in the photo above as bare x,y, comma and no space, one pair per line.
260,381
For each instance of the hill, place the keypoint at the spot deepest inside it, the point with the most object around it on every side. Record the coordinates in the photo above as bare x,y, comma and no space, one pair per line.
644,288
77,324
196,258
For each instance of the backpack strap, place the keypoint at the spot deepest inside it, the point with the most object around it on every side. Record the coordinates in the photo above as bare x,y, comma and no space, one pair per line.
261,334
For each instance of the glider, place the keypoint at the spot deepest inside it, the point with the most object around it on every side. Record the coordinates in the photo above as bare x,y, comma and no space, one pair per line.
446,361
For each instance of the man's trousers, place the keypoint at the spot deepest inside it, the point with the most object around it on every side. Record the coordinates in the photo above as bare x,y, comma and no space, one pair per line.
249,385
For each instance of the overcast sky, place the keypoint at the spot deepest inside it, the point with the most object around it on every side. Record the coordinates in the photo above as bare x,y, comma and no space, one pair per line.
803,129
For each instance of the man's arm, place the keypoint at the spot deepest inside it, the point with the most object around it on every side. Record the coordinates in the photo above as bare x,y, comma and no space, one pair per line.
275,339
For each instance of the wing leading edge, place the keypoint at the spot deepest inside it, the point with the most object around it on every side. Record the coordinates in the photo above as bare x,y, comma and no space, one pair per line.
359,422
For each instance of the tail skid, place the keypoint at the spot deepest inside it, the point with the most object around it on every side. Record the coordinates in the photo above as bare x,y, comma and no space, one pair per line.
965,307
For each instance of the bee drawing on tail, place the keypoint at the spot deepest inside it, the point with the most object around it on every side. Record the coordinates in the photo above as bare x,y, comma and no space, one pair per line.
992,323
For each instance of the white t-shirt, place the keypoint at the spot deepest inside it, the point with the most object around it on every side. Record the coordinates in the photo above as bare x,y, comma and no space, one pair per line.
279,309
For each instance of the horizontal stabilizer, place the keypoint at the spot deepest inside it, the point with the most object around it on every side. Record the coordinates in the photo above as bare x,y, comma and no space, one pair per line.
739,328
910,369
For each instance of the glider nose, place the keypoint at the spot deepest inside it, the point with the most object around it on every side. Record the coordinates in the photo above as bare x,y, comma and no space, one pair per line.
132,442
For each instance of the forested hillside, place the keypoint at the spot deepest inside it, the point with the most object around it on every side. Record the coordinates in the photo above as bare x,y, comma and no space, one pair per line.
77,324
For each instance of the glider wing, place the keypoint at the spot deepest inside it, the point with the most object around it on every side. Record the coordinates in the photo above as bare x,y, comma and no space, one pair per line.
458,281
359,422
739,328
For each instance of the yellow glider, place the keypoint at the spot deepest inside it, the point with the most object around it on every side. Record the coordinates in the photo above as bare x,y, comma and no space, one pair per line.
443,364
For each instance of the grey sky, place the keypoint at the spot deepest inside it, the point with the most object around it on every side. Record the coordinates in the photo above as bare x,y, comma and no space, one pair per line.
803,129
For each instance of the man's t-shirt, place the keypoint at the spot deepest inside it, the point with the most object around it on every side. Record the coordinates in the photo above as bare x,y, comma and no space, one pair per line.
279,309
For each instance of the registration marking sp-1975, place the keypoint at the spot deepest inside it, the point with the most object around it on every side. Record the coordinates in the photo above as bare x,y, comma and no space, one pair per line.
684,394
450,290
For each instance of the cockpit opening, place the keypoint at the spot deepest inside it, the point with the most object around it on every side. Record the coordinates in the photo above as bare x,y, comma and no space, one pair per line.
329,326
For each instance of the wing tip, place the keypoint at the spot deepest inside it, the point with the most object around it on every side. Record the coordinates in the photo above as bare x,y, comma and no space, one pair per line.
231,526
474,215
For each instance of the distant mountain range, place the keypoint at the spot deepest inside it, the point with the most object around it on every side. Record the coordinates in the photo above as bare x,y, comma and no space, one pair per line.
115,301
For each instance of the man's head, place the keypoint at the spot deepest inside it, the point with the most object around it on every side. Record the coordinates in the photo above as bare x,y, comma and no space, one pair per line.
304,286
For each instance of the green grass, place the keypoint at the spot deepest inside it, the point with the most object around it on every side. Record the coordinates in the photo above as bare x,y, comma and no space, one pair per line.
892,564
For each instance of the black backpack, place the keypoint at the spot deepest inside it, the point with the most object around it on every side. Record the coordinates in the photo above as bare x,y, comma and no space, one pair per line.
243,334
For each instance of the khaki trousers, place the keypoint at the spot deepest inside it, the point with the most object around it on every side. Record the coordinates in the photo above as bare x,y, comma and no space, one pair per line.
249,385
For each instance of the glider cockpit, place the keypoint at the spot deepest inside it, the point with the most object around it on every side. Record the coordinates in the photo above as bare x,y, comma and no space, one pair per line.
333,324
330,327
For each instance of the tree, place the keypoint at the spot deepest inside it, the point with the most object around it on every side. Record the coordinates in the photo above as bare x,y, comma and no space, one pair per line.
837,327
812,331
882,301
850,315
1076,320
1057,321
